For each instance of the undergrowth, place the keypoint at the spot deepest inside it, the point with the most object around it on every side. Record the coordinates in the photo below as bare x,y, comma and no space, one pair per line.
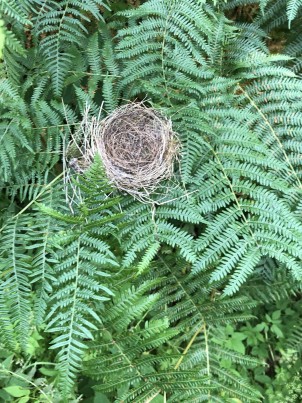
194,296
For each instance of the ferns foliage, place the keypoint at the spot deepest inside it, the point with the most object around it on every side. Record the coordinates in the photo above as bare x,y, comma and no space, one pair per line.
132,297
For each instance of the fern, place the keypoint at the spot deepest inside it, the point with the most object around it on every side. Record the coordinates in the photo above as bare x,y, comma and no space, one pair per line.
84,260
148,359
42,275
131,298
147,228
15,285
250,156
111,83
16,11
62,25
12,136
292,8
151,51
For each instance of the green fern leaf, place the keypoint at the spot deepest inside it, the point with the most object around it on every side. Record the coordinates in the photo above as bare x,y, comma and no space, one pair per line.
15,285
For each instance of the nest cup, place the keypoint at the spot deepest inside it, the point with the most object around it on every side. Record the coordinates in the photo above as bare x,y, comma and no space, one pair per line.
137,146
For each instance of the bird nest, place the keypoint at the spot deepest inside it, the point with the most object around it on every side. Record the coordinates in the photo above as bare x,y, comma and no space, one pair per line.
137,147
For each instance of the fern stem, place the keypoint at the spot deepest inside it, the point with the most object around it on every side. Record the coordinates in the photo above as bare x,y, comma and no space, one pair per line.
93,74
163,51
74,301
202,327
15,272
52,126
34,364
207,348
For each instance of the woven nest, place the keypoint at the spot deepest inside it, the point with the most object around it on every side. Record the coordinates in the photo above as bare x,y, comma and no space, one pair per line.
137,147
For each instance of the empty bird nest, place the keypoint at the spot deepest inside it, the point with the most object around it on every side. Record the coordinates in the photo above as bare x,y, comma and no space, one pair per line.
136,144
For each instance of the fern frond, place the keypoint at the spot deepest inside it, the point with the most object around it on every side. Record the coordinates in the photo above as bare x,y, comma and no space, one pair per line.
84,262
292,8
15,285
42,275
12,43
146,228
8,335
15,10
130,361
175,308
77,287
232,157
62,25
171,45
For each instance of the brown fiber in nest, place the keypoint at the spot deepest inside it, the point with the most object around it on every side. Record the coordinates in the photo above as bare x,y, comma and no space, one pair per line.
137,147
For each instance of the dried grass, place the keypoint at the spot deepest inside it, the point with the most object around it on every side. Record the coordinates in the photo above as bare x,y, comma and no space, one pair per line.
136,144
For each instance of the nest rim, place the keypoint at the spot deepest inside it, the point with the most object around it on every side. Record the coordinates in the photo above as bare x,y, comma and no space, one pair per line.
137,147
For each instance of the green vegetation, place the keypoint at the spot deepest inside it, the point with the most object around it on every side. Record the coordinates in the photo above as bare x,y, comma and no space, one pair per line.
196,296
